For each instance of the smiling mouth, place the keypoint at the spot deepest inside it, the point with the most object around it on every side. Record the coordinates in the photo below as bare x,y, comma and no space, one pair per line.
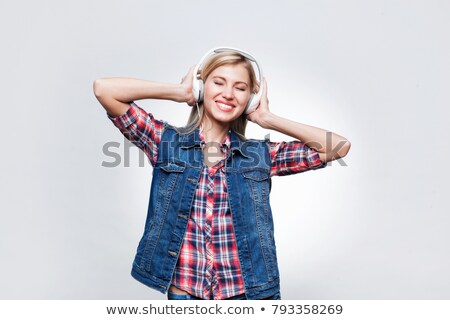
224,107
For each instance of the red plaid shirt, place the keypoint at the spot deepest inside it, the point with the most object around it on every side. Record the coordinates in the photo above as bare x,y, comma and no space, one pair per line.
208,265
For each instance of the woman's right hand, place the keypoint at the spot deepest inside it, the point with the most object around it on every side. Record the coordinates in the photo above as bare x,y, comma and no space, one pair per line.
186,83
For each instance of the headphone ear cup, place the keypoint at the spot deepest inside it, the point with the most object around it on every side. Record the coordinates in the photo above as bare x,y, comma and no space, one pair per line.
200,90
196,85
252,103
195,92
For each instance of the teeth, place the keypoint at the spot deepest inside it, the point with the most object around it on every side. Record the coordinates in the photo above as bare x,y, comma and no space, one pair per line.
224,105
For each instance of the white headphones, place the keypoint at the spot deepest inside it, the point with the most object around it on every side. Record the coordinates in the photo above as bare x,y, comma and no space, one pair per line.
198,85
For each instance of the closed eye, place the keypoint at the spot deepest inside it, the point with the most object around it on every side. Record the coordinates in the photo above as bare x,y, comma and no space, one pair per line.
220,83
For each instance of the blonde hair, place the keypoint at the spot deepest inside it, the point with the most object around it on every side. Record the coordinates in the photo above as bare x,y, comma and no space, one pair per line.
223,58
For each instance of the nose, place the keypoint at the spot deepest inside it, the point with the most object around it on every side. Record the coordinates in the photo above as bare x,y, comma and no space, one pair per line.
227,92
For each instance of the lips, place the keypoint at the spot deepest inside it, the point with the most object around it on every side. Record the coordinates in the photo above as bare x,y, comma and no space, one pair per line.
225,107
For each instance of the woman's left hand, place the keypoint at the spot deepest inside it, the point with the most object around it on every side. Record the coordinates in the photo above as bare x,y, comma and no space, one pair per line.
262,113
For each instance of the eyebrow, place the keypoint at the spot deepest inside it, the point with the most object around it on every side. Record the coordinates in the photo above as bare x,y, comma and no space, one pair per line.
226,80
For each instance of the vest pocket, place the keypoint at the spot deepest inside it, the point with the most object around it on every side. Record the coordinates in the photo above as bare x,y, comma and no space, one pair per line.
173,167
259,182
256,175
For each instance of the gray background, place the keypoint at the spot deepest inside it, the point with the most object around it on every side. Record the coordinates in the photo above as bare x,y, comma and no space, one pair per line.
376,72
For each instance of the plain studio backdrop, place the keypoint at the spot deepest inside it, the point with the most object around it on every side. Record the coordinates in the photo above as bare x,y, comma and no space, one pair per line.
375,226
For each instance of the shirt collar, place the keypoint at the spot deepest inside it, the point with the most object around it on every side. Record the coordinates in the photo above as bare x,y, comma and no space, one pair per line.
232,140
225,144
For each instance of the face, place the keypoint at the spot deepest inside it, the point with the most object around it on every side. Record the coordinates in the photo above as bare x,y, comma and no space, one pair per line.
227,91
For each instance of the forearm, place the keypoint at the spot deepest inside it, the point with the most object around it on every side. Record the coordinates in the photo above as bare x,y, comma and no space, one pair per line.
129,89
328,143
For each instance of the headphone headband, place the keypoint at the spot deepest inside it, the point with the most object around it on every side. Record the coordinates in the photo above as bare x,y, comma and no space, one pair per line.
197,84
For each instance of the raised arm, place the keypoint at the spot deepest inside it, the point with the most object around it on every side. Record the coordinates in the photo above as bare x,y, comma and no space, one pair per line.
330,146
115,93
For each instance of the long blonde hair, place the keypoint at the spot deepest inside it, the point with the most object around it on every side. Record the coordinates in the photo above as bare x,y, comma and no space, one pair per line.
218,60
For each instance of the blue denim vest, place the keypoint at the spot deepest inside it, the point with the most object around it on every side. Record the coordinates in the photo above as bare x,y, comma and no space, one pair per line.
175,178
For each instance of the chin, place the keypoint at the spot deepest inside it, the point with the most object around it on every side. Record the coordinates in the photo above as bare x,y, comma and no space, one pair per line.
226,118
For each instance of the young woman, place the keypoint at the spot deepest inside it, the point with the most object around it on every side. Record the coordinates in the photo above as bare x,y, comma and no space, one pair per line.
209,231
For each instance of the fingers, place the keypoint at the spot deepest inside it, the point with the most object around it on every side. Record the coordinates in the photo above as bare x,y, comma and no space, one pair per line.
264,93
186,83
264,88
189,74
191,70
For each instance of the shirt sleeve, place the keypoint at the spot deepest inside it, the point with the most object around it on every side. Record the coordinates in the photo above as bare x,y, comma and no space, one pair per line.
292,157
141,129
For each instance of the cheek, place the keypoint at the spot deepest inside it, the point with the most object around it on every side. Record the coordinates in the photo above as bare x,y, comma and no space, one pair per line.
243,99
210,91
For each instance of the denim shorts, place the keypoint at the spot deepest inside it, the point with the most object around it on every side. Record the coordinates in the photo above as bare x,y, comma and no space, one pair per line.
176,296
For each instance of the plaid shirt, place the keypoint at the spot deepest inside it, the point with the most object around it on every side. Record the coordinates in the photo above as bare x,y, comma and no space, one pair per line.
208,264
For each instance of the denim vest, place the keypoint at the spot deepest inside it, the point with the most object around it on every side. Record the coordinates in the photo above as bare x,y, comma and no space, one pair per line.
175,178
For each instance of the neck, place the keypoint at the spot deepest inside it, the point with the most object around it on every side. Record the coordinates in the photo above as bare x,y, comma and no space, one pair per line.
214,132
